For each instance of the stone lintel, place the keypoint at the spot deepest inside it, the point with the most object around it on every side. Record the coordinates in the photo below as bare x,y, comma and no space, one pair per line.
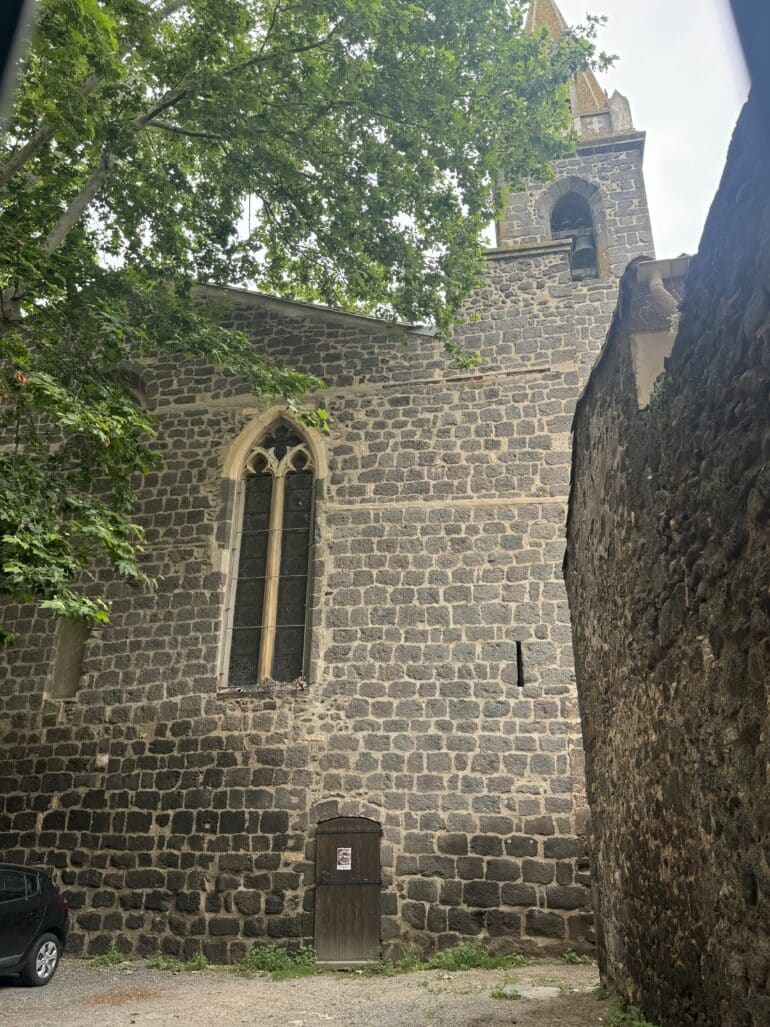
668,269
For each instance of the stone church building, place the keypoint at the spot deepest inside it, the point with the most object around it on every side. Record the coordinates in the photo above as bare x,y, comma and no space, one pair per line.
348,713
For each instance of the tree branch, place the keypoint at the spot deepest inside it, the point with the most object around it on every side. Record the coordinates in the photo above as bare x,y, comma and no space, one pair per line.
261,58
168,100
45,132
166,126
102,173
271,26
20,157
168,9
184,89
78,206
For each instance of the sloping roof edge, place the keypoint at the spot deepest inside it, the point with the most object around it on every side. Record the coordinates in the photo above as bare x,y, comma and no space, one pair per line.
301,308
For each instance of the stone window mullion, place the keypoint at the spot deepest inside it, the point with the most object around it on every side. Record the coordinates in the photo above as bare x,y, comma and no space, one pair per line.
272,575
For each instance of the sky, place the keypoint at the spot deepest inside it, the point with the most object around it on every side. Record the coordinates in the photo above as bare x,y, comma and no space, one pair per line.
681,67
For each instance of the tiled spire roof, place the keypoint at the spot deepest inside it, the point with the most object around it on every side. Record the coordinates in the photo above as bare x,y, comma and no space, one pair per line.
545,14
589,97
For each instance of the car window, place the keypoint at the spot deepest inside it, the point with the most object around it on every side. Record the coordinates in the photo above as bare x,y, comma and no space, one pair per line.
33,884
12,885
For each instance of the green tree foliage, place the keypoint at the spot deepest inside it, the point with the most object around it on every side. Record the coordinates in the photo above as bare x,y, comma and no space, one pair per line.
365,136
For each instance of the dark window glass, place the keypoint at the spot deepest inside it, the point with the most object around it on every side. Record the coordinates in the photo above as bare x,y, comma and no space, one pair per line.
12,885
250,590
292,588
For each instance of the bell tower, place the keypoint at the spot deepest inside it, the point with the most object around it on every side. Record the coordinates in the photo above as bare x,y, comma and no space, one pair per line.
595,211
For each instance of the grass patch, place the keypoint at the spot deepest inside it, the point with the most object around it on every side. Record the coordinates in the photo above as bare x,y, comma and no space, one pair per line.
377,970
465,956
468,956
283,965
286,973
279,963
628,1016
112,957
161,962
572,957
509,995
409,963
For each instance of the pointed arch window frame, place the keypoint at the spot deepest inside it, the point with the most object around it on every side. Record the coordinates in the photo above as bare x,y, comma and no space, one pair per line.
251,457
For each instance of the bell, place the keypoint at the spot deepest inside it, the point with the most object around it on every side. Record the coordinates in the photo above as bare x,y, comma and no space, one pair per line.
583,254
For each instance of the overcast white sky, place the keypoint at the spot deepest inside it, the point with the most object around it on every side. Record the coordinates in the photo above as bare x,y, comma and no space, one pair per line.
681,67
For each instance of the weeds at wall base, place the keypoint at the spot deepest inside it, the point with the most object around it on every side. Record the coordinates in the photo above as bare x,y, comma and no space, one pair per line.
112,957
627,1016
279,963
574,959
465,956
171,965
283,965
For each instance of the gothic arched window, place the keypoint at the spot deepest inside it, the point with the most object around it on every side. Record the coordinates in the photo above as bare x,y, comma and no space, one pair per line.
267,633
571,218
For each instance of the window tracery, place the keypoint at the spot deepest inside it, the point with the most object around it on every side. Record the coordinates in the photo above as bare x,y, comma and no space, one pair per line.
269,609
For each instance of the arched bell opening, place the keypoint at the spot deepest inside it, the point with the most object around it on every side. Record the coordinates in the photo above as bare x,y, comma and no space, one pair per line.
571,218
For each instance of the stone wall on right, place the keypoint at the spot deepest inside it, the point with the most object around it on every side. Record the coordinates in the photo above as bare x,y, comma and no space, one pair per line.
668,575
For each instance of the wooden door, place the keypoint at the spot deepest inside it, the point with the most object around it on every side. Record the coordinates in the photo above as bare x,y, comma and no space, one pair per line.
347,893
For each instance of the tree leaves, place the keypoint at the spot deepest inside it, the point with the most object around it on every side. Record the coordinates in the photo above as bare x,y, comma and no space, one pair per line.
366,136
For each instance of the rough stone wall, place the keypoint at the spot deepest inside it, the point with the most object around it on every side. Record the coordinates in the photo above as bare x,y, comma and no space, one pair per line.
181,814
608,174
668,572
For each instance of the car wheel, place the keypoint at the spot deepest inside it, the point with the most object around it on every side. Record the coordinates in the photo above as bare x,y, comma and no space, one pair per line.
42,962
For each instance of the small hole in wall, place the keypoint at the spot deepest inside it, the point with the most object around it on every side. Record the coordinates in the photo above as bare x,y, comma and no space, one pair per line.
519,666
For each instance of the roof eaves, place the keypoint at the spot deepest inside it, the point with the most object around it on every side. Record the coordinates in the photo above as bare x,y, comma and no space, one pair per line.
303,308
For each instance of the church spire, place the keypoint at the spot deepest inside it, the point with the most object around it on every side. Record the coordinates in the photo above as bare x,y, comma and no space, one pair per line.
544,14
594,113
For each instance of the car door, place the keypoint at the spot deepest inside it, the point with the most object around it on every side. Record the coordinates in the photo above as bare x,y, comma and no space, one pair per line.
21,910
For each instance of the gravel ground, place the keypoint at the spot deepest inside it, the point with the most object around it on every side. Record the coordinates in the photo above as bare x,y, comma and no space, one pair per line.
562,996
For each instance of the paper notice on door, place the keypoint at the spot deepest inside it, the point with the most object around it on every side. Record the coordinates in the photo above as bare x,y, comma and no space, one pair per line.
344,859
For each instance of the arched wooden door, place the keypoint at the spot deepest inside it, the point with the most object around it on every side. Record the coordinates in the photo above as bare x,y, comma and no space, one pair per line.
347,893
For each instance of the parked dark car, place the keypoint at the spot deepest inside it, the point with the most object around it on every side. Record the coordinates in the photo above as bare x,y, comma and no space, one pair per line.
33,924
